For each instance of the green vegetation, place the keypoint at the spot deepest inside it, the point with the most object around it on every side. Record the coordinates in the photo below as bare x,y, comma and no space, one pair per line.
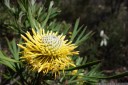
20,16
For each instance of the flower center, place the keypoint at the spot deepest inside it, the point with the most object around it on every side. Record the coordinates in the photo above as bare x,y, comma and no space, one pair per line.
52,41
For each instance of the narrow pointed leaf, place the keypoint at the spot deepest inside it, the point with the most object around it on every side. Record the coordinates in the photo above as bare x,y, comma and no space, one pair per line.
84,66
3,57
115,76
75,30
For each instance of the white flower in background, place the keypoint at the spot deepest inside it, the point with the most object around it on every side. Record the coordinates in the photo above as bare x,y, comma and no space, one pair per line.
104,38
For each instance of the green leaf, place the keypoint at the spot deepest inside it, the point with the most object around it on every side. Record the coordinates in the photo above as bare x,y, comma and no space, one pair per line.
3,57
30,17
83,38
75,30
13,48
7,3
5,76
8,65
84,66
21,5
7,61
115,76
47,17
78,36
67,27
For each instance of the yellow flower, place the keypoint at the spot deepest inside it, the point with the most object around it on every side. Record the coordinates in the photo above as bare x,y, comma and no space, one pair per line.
47,51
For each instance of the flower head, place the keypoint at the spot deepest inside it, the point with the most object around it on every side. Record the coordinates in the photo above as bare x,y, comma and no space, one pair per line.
47,51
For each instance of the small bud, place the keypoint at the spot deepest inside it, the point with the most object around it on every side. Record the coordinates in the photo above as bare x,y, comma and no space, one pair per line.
74,72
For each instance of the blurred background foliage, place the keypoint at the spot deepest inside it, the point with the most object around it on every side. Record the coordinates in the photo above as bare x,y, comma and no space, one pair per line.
97,15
